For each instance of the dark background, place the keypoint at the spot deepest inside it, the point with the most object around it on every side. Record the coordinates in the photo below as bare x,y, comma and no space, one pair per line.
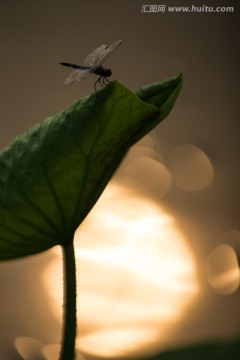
36,36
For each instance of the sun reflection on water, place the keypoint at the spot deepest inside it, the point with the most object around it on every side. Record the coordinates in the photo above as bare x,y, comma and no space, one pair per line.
136,275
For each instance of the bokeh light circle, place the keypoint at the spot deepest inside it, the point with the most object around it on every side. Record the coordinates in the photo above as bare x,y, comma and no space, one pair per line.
222,270
190,167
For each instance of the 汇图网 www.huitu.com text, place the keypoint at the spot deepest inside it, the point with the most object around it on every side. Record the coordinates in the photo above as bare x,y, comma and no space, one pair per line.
186,9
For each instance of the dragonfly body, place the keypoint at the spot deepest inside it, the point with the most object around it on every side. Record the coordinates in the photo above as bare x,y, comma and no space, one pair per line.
103,72
92,65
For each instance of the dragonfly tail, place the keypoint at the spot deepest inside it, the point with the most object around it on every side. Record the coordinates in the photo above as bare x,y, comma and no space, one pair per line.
71,65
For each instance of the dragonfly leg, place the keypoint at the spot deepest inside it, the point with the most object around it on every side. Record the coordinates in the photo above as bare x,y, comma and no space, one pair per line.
95,85
102,80
98,81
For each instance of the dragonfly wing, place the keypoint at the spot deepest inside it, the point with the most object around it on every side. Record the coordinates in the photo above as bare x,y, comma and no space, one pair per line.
92,62
105,53
76,75
92,59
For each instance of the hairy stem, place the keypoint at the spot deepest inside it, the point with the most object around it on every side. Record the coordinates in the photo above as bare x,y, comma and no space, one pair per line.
69,308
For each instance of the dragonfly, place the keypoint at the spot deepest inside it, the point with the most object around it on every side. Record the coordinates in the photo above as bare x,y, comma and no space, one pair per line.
93,65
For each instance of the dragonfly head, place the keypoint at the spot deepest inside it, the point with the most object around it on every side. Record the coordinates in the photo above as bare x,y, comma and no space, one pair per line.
108,72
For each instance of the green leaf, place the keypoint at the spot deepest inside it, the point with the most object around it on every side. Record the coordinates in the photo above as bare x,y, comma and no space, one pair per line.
52,175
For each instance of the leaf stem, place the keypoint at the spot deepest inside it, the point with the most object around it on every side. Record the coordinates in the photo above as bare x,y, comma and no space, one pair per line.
69,307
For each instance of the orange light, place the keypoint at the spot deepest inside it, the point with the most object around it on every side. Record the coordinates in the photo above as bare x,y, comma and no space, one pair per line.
136,275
